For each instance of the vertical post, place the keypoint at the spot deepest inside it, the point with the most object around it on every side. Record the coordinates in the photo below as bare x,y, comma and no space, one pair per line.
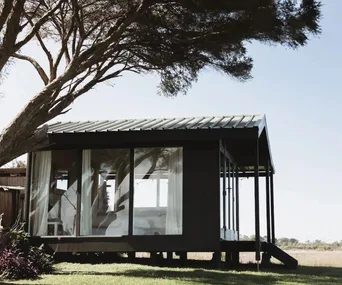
272,209
228,194
131,192
219,189
233,198
79,191
26,210
237,203
224,194
268,214
236,255
256,202
183,257
158,189
131,257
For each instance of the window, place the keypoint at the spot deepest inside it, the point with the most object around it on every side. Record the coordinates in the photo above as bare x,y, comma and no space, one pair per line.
158,191
53,193
105,192
102,205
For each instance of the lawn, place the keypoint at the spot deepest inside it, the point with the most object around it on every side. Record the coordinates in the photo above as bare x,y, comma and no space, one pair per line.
68,273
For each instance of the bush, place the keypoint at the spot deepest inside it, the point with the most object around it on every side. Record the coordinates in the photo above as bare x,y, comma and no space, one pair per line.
15,266
19,259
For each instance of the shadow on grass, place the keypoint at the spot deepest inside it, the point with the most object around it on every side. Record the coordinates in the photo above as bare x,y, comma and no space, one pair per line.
304,275
5,283
196,276
319,271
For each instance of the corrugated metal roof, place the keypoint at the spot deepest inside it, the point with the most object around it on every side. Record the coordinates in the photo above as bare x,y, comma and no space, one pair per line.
225,122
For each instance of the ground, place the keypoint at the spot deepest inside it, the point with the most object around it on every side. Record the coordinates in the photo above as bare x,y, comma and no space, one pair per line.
326,272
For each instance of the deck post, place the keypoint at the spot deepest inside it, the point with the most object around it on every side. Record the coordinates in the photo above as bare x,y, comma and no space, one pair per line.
268,214
217,260
183,258
272,208
235,258
256,202
228,259
131,257
153,257
169,256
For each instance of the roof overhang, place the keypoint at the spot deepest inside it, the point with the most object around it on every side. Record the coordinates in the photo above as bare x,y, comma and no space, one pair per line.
241,130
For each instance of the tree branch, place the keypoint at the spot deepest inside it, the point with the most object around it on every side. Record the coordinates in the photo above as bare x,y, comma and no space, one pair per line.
37,26
42,44
113,36
35,64
64,48
13,26
6,10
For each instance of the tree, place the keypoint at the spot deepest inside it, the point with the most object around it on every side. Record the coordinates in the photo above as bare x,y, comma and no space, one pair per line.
293,241
100,40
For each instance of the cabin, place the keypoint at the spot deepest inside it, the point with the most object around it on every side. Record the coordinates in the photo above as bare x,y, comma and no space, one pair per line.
12,193
151,185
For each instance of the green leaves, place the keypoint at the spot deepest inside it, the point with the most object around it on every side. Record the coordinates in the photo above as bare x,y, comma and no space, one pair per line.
179,38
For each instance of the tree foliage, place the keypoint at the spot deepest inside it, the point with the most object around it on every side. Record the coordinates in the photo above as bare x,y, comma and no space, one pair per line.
100,40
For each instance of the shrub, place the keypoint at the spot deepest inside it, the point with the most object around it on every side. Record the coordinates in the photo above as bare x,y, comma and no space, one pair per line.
14,265
21,260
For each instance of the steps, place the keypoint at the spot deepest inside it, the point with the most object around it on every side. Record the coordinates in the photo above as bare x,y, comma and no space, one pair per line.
281,255
268,248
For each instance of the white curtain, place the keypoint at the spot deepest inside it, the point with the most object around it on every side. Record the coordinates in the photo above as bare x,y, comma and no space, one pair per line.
87,183
40,193
174,212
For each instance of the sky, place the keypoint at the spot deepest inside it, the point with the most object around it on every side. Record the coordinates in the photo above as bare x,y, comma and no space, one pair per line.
300,93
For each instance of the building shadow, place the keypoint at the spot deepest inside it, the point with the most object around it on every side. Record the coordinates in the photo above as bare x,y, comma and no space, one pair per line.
304,275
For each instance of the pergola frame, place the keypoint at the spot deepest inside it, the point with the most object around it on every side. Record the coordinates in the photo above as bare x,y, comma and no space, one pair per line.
266,172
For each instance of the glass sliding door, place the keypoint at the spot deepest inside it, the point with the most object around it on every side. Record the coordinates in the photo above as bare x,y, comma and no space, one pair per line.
158,191
105,192
53,198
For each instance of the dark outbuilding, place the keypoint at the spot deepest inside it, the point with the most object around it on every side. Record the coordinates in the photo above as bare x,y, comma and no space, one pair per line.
152,185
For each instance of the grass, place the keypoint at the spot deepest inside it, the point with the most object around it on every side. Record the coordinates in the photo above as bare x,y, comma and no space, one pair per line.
69,273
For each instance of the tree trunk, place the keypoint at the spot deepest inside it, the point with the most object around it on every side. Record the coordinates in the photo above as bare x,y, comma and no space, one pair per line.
23,135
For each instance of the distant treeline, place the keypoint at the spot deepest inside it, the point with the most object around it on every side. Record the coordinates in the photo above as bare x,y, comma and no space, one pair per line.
292,243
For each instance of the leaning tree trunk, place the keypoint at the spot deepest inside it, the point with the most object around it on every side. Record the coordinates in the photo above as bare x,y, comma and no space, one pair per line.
22,135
